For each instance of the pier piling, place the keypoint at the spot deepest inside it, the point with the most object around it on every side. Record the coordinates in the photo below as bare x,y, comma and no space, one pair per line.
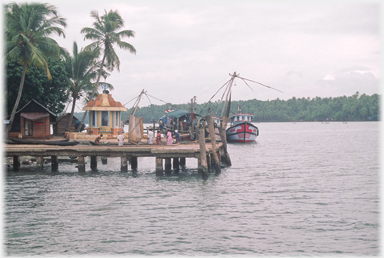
203,167
182,162
16,163
159,166
39,162
168,165
225,158
54,163
94,163
176,163
215,158
134,163
124,165
81,164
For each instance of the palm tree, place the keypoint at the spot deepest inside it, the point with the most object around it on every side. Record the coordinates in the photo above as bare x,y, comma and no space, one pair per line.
80,73
27,31
105,35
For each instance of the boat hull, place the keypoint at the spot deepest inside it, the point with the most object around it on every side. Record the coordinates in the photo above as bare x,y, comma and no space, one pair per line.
60,142
242,133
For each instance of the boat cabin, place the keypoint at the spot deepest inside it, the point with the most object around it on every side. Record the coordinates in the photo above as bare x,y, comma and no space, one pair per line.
239,118
104,115
178,120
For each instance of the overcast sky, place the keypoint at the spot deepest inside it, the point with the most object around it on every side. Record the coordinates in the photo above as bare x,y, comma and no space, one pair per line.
188,48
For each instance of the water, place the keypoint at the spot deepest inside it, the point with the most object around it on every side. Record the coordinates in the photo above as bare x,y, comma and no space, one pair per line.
302,189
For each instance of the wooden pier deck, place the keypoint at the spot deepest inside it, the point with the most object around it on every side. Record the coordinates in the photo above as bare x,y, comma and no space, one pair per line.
177,152
213,152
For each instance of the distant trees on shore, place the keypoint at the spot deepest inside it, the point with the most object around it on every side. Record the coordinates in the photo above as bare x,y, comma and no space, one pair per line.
353,108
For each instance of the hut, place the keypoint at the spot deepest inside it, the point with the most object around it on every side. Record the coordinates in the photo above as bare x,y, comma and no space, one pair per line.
104,115
32,122
61,124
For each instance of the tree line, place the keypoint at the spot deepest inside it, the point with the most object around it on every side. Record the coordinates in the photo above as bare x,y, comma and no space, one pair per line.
352,108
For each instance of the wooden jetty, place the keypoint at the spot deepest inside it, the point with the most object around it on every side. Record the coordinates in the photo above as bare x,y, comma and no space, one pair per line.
126,152
213,152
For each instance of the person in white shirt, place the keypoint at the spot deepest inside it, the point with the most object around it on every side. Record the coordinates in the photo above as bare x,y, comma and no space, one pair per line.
150,137
120,139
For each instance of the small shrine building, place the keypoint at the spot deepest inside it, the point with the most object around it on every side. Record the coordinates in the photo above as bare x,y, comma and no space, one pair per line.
104,115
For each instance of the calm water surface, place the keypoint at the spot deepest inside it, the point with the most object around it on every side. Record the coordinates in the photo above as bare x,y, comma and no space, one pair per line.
302,189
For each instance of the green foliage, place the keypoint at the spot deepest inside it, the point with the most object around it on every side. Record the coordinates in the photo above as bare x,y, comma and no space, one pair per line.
353,108
50,93
27,31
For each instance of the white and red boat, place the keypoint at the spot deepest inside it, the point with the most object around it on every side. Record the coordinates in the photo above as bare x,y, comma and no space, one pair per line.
241,129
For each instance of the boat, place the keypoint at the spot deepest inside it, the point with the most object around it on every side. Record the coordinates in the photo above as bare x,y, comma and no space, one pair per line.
241,129
65,142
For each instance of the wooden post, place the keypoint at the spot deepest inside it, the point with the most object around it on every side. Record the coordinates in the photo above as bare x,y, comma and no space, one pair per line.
225,158
182,162
181,127
81,164
16,163
54,163
216,161
124,165
209,162
94,163
153,128
168,165
203,167
134,163
159,166
176,163
39,162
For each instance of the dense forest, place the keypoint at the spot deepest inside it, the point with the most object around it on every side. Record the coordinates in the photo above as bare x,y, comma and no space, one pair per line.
353,108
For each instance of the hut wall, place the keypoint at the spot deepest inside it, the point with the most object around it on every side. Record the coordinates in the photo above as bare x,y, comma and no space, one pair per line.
41,128
61,125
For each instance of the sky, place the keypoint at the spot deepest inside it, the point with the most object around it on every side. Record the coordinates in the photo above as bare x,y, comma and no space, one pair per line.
189,48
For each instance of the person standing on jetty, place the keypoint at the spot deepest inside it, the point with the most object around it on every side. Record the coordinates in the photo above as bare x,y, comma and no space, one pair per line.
169,138
177,137
120,139
158,138
150,137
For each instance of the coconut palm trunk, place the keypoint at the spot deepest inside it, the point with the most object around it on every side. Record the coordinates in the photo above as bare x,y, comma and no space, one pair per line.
68,129
17,99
